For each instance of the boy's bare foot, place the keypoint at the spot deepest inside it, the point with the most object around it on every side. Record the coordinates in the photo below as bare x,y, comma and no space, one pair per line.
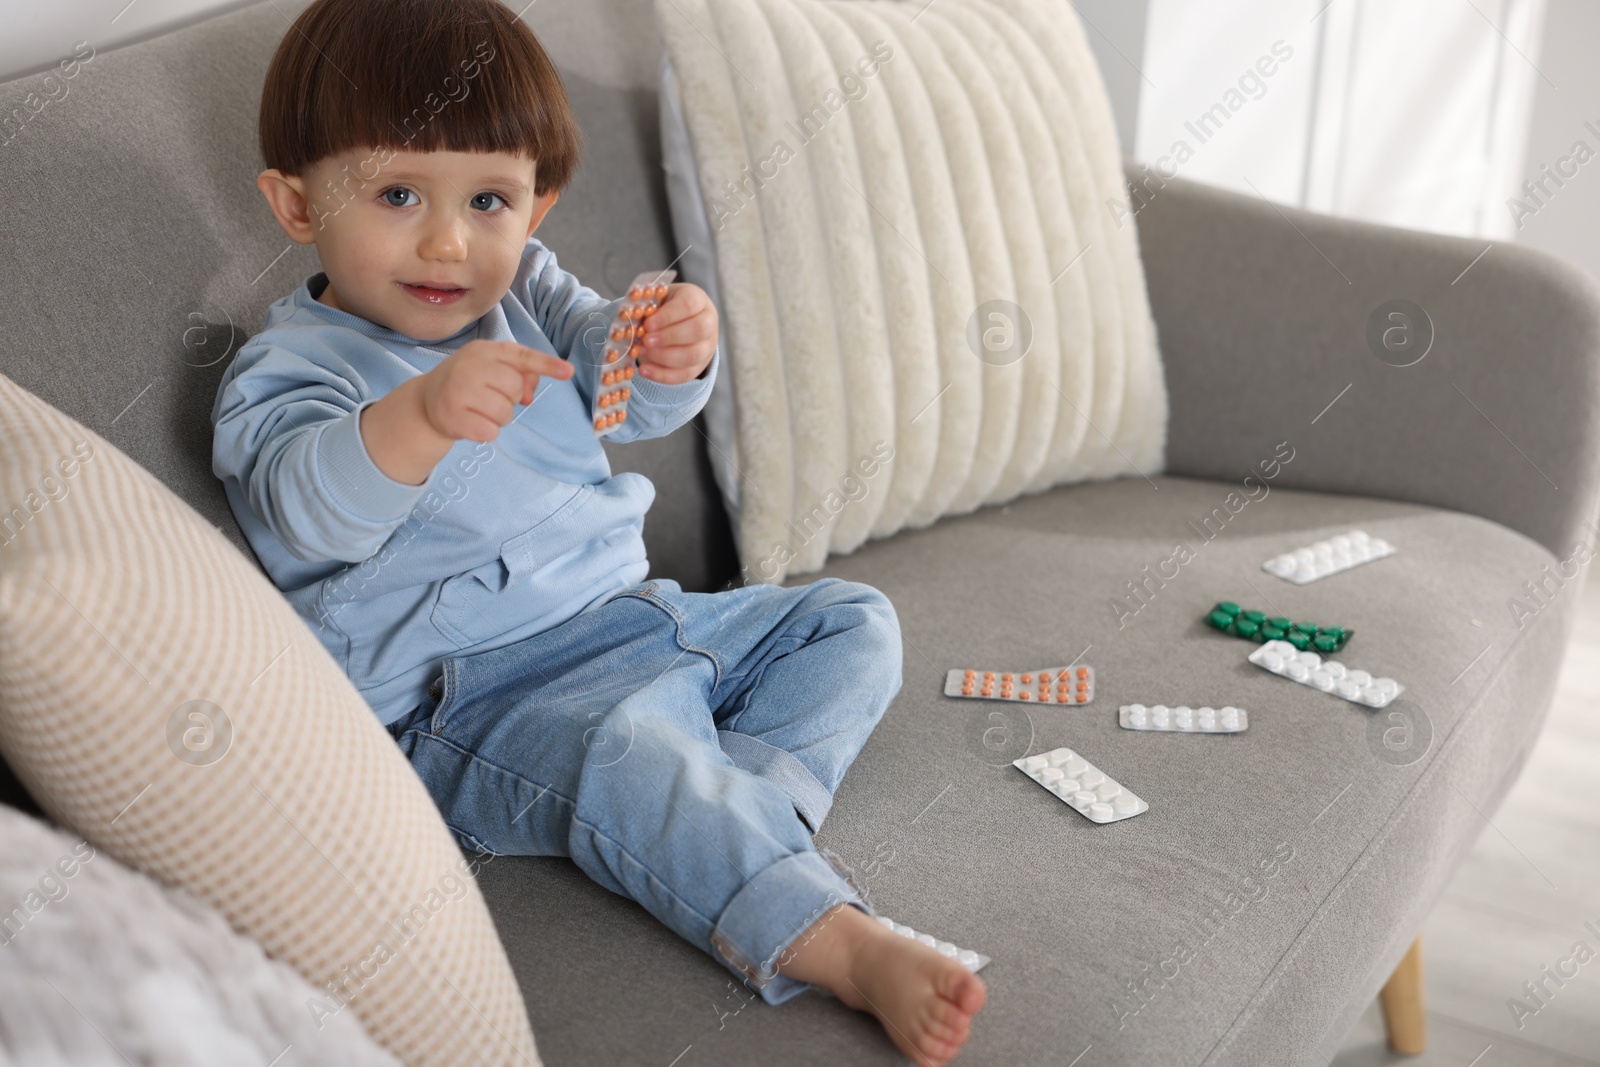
925,1001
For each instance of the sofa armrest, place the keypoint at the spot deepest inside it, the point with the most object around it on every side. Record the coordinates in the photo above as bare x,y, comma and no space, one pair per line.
1263,317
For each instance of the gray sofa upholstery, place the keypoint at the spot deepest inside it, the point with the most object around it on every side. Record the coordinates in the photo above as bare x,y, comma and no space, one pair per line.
1279,875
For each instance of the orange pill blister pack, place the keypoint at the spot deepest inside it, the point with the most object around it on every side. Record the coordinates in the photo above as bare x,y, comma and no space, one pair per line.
1048,685
619,361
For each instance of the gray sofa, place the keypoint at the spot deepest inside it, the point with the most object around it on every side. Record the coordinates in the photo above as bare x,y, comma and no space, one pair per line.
1280,874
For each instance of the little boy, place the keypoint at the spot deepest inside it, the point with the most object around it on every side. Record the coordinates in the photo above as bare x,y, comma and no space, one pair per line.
408,447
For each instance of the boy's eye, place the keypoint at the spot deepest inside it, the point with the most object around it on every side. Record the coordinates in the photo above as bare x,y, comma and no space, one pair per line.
484,201
400,191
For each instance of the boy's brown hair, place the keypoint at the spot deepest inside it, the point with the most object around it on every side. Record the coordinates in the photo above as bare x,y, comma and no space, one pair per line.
416,75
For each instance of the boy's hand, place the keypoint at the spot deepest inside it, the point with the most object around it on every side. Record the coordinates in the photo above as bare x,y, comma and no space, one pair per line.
474,391
470,394
681,337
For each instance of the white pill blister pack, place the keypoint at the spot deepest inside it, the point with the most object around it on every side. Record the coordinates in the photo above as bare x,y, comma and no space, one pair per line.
1081,785
1072,684
972,961
619,358
1306,565
1184,719
1330,676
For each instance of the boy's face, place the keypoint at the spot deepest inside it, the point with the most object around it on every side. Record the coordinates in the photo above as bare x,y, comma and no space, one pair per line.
424,247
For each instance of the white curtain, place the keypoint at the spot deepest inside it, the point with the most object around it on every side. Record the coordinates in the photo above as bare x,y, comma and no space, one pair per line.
1408,112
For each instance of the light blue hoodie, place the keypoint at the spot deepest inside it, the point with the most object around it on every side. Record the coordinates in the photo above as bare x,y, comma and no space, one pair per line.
504,540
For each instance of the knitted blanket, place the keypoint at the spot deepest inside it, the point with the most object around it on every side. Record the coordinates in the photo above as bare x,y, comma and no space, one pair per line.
101,966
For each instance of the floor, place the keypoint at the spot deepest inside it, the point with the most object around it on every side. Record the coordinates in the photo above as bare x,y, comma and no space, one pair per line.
1520,904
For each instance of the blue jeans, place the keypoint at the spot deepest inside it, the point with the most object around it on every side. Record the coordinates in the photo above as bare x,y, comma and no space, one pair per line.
680,747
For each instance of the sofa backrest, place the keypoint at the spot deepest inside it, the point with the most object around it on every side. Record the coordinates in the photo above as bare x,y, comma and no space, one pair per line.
140,255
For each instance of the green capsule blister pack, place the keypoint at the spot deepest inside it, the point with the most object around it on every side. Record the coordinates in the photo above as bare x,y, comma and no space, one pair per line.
1259,627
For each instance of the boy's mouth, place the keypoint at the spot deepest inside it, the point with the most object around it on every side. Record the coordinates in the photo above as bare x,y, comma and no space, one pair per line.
438,294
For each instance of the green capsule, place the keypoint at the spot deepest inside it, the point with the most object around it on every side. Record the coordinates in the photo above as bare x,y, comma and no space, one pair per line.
1257,617
1220,619
1299,640
1246,628
1281,622
1325,643
1307,628
1270,632
1228,606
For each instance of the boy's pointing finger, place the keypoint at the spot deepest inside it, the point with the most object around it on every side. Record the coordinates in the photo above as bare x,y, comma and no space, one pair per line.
534,361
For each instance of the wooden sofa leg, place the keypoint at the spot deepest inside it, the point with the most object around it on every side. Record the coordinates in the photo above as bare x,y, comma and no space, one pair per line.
1403,1013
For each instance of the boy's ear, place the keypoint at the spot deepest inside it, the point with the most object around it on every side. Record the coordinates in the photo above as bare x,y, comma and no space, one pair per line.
541,208
286,196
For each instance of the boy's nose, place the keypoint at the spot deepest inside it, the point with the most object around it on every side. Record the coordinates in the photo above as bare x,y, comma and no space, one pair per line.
445,240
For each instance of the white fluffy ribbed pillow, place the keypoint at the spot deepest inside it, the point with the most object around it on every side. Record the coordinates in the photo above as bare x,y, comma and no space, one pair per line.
958,153
159,696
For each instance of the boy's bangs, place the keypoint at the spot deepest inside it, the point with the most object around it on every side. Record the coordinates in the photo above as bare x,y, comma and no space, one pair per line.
423,76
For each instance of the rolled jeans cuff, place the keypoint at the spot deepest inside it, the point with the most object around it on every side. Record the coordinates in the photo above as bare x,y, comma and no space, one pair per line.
771,911
809,796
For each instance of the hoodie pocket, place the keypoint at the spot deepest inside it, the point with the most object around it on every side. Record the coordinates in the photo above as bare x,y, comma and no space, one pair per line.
496,596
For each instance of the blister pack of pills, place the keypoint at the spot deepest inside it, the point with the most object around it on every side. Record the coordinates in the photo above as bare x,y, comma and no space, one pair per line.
972,961
1184,719
620,357
1048,685
1306,565
1330,675
1257,626
1081,785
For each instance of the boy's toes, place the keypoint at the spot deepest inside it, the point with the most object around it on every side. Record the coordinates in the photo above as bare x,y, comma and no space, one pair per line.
943,1015
935,1053
954,1036
963,989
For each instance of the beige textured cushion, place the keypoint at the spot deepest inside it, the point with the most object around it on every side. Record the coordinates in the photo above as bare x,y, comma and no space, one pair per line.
872,175
160,697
